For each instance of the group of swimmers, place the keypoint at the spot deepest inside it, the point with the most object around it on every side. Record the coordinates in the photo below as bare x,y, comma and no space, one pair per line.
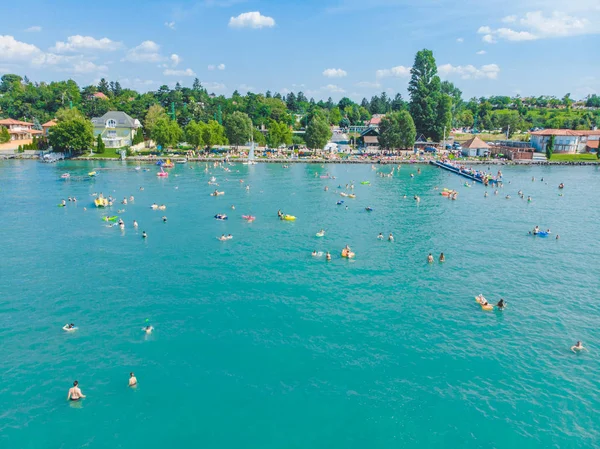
390,237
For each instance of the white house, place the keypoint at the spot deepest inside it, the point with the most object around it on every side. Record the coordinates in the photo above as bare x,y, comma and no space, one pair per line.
565,140
116,128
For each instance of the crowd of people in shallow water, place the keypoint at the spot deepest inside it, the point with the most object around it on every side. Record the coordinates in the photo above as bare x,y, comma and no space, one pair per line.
75,393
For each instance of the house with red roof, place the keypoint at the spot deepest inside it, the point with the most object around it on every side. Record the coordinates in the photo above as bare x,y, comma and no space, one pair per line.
565,140
46,126
19,130
99,96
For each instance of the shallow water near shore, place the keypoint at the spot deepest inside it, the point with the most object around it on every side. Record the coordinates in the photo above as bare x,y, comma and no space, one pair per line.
259,345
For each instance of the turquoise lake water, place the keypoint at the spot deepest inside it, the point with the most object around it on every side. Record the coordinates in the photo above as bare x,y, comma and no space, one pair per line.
259,345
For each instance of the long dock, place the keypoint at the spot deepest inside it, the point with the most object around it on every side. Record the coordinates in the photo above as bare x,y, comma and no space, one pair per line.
460,172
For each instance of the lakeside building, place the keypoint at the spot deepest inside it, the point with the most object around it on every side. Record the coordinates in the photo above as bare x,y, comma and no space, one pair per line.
369,140
19,130
375,121
475,147
116,128
46,127
566,140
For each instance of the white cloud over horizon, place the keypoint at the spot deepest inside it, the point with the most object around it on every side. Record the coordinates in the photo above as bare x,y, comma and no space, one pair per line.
489,71
170,25
175,59
33,29
252,19
174,72
398,71
147,51
80,43
334,73
333,88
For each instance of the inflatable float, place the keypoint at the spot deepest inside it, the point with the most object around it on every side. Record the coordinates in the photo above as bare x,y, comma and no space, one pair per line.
320,234
101,202
288,218
221,217
114,218
487,307
365,183
347,254
249,217
217,193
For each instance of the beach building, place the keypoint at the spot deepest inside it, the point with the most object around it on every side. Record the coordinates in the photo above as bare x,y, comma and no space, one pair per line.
19,130
368,140
46,127
565,140
116,128
475,147
99,96
375,121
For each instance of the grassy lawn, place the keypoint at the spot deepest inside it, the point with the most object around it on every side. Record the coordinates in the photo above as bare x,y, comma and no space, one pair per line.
574,157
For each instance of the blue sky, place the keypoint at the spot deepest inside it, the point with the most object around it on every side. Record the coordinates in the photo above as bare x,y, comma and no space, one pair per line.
325,48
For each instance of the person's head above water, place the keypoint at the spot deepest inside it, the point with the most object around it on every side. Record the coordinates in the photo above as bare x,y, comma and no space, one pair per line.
75,383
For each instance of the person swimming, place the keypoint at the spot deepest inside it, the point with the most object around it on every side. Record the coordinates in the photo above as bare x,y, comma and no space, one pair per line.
380,236
501,304
229,236
442,257
135,224
314,253
223,237
63,203
148,329
279,213
124,201
144,235
69,327
164,219
430,258
578,347
232,207
328,256
529,199
485,195
390,237
132,380
75,393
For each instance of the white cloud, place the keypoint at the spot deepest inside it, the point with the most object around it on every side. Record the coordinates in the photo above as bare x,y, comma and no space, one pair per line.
33,29
211,67
170,25
460,40
245,87
398,71
147,51
481,52
213,85
334,73
88,67
83,43
489,71
14,50
175,60
333,88
221,66
172,72
536,25
251,20
215,67
368,84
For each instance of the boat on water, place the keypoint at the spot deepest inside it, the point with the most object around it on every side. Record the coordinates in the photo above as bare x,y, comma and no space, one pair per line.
251,160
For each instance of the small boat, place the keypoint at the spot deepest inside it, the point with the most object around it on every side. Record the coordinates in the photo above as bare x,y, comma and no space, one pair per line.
288,217
101,202
65,176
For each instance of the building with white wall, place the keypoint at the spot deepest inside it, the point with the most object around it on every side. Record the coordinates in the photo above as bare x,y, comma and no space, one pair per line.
565,140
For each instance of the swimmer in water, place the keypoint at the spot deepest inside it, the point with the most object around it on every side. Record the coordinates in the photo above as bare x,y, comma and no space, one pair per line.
485,195
135,224
380,236
148,329
557,236
63,202
69,327
501,304
75,393
132,380
164,219
529,199
124,201
131,199
495,192
328,256
508,197
430,258
442,257
314,253
232,207
578,347
144,235
390,238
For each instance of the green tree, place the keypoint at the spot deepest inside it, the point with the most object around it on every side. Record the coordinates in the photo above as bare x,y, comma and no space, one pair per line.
194,134
214,134
166,132
397,131
100,147
238,128
72,132
426,98
335,116
317,134
4,135
138,137
155,113
279,134
258,137
550,147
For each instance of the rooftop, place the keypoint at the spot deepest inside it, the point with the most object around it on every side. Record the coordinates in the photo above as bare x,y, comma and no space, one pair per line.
122,120
565,132
475,143
10,121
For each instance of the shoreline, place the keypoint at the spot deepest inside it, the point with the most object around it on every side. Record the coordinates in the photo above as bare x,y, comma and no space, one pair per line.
394,161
